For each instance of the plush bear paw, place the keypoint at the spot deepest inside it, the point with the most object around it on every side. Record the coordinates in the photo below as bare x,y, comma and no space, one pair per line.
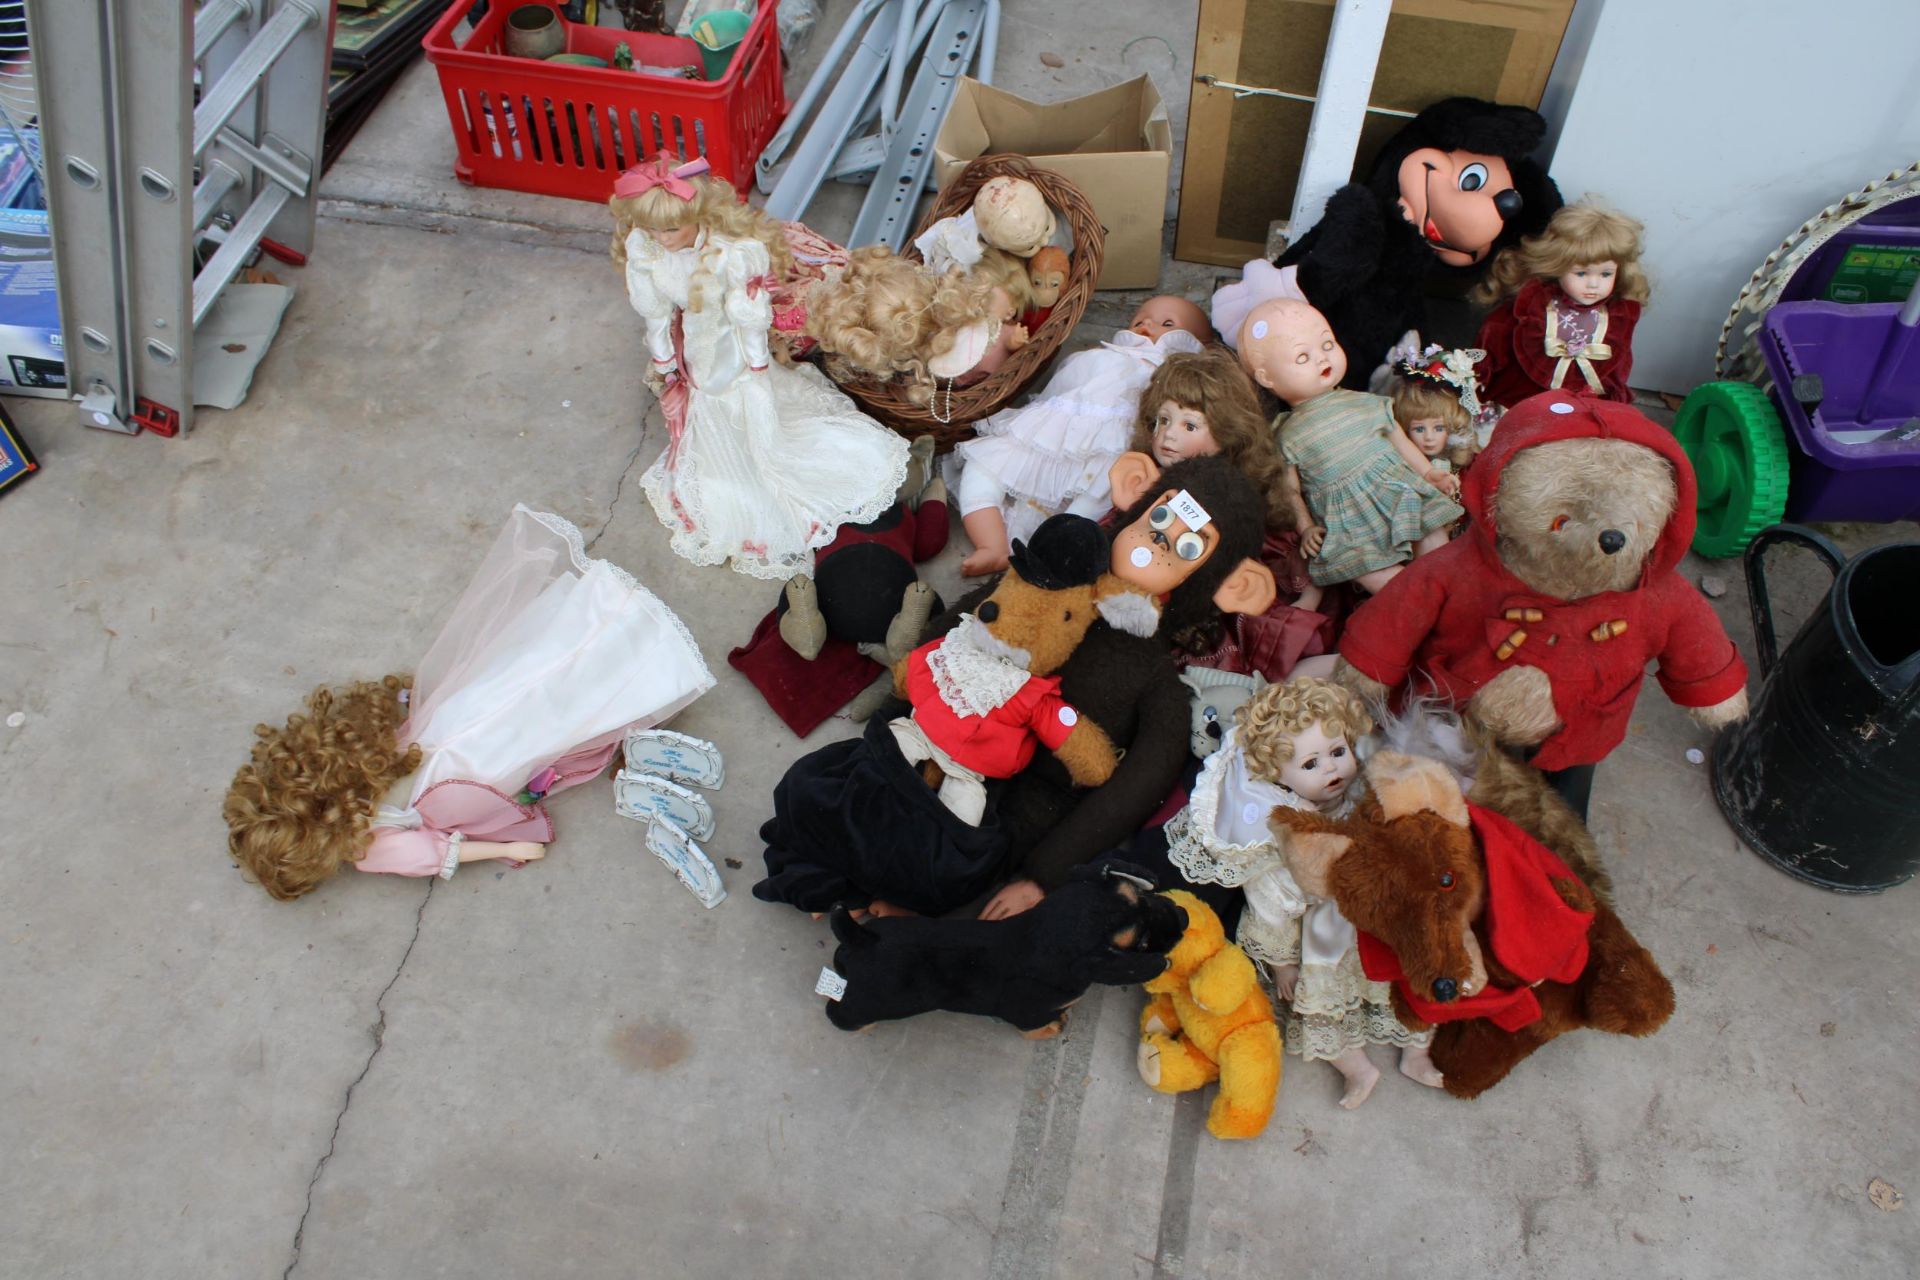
803,626
1721,714
1517,706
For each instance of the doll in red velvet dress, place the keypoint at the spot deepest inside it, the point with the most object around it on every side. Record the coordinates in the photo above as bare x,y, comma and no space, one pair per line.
1568,300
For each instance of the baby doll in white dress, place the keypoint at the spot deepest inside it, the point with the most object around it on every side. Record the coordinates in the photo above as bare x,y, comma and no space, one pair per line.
1053,453
763,461
1292,745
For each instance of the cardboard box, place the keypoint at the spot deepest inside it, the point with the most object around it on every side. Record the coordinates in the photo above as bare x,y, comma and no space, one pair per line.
1243,154
1115,145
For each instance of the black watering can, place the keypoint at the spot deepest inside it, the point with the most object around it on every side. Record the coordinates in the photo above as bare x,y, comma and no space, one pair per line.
1823,778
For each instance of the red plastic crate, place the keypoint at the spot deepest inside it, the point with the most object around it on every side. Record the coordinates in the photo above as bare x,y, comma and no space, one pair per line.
561,130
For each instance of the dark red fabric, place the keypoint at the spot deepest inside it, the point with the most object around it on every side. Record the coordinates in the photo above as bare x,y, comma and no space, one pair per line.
803,694
806,694
1530,930
1274,641
1514,336
1440,622
1000,743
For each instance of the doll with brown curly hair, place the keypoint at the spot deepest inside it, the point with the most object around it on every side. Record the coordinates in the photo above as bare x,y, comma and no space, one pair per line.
763,461
1294,745
1203,403
546,662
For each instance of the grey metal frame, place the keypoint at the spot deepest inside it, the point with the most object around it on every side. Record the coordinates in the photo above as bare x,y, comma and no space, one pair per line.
138,176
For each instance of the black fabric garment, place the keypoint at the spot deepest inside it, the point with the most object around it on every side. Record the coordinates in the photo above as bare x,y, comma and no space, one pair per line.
1148,849
1025,969
854,821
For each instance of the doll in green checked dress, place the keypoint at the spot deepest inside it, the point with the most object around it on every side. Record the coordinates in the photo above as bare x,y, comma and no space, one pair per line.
1367,487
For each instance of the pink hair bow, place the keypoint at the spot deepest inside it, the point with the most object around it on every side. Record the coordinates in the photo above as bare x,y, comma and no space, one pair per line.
660,172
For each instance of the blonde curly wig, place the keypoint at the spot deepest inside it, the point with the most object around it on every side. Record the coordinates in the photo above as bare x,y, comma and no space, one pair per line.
1212,382
715,206
1269,720
885,317
1578,234
304,805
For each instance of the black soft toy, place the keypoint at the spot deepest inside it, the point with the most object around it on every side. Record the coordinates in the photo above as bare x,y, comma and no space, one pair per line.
1104,925
1451,187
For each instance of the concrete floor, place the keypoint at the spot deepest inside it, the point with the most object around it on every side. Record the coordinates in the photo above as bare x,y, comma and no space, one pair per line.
575,1070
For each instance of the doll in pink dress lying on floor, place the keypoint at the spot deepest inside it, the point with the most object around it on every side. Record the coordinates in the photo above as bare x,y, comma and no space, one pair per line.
548,659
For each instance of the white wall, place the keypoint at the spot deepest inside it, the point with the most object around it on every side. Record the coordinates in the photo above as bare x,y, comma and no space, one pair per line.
1724,124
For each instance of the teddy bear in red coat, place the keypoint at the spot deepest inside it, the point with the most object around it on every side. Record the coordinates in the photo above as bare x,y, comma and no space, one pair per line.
1541,619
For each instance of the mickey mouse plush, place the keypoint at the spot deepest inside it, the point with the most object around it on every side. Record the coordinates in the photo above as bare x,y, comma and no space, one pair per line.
1451,187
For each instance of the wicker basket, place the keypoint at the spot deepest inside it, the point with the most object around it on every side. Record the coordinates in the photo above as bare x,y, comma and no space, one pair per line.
950,419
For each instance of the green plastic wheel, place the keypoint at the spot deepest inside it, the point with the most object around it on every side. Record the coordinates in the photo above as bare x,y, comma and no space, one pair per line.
1738,447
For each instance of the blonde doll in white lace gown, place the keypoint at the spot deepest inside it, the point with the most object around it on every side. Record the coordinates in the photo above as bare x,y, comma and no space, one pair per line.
1293,745
763,461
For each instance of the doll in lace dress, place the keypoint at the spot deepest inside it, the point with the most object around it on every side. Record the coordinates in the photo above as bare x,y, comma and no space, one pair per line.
1292,745
763,461
1053,453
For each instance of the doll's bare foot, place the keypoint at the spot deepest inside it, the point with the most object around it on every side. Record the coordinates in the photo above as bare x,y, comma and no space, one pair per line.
803,626
1049,1031
987,530
1416,1064
1361,1076
904,632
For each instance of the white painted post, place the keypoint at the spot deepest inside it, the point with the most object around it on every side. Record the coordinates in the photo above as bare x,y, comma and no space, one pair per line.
1346,81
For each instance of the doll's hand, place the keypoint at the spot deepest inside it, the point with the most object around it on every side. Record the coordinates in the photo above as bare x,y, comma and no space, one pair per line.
1021,895
1285,978
659,377
1310,540
1016,336
1445,481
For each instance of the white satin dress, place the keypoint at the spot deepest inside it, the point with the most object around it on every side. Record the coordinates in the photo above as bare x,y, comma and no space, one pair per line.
773,458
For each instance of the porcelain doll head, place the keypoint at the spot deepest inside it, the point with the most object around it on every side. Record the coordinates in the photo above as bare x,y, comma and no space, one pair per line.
1289,348
1301,734
1202,403
303,806
1012,215
1164,313
1435,396
1579,239
671,201
1047,275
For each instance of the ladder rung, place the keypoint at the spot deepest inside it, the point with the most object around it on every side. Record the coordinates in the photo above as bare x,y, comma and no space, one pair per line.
213,188
288,173
225,263
221,101
212,21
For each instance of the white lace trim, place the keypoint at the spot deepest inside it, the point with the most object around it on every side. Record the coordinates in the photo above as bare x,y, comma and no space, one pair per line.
1197,848
1316,1038
450,863
971,681
1267,941
583,563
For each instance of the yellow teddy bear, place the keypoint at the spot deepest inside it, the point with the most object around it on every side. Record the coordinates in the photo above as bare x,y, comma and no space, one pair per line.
1209,1020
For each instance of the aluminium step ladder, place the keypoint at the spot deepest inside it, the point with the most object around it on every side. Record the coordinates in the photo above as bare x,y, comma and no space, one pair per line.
142,179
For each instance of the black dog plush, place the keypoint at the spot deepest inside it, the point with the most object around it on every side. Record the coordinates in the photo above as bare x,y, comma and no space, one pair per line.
1455,184
1104,925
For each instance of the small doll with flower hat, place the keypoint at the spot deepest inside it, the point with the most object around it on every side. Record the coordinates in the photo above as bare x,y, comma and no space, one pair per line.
1568,300
1294,745
1436,403
763,461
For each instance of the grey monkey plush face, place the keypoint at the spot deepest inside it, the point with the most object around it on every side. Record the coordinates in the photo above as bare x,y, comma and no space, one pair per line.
1216,696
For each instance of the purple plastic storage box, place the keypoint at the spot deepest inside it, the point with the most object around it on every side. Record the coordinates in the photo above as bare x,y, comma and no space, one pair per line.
1844,468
